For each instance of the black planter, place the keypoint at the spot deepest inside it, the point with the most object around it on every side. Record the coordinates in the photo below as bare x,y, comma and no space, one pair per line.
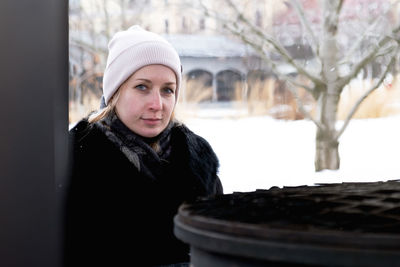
350,224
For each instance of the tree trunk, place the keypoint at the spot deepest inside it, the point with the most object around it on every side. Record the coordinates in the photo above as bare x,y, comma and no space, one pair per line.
327,145
327,151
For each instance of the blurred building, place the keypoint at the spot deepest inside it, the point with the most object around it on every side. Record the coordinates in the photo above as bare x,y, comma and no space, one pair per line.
216,66
215,60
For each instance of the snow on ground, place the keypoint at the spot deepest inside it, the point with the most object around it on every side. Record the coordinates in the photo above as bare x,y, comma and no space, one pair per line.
261,152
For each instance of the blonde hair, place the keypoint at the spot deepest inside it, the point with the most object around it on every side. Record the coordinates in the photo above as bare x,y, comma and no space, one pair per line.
104,112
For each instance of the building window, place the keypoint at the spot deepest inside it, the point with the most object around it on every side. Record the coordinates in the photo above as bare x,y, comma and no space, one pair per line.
166,26
202,24
184,24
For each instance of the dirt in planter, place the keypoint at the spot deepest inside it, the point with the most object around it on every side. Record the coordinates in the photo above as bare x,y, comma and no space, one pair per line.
359,207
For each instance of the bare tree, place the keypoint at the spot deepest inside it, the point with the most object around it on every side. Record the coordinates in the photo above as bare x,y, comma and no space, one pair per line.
86,53
379,42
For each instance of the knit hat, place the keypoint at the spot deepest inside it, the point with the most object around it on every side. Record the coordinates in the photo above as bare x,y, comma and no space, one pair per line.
133,49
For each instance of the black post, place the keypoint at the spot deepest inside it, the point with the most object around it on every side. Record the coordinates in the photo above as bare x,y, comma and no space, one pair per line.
33,126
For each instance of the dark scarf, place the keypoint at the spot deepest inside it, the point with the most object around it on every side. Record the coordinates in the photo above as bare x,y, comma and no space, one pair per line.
149,155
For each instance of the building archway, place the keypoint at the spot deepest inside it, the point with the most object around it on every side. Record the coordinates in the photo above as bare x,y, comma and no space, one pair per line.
199,86
230,83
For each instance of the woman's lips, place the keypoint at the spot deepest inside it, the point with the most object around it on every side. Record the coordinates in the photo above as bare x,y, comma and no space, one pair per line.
151,121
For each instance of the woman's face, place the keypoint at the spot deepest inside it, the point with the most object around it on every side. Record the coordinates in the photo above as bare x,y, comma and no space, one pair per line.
147,100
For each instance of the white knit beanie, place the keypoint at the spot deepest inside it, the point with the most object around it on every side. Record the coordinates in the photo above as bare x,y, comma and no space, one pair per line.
133,49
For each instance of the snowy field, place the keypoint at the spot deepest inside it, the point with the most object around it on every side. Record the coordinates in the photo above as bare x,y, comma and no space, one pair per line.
261,152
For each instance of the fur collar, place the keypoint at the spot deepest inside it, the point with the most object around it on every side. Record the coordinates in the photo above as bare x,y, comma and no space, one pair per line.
194,152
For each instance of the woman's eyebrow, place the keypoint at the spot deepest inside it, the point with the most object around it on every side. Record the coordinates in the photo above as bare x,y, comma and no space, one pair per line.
170,83
149,81
142,79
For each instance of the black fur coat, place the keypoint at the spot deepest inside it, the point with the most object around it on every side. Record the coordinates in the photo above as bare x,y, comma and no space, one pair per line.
118,216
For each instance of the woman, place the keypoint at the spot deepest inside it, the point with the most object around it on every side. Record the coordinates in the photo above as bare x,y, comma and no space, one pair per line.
133,165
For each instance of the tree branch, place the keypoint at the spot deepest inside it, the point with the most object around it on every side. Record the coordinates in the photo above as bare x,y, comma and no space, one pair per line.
213,14
339,7
306,25
87,47
278,48
369,57
291,81
292,88
364,96
262,54
358,42
206,10
370,29
257,47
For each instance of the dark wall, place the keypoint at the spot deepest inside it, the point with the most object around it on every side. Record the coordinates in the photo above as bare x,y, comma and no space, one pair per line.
33,126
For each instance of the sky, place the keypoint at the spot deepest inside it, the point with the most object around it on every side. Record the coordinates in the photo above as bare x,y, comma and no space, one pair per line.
261,152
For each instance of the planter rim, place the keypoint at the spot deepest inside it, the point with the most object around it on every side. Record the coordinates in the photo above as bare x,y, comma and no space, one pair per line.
312,236
321,237
295,249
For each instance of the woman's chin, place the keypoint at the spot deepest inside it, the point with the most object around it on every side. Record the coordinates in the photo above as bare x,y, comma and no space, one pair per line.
150,132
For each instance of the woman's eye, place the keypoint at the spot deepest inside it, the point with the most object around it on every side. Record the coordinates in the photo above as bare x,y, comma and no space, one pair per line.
168,91
141,87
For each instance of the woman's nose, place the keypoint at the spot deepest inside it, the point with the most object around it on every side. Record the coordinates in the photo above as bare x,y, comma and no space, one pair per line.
155,100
